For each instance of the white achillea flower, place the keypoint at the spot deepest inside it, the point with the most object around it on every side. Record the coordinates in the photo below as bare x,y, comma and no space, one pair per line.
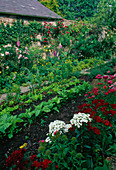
79,118
56,125
67,126
61,126
47,140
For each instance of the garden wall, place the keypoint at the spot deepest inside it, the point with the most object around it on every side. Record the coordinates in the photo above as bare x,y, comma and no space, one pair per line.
10,19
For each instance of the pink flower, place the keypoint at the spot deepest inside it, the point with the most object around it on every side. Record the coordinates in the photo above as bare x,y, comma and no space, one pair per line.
18,44
55,132
54,53
86,95
106,93
108,71
99,83
105,77
60,46
104,87
98,76
6,52
14,77
41,141
93,96
111,78
25,58
110,82
19,56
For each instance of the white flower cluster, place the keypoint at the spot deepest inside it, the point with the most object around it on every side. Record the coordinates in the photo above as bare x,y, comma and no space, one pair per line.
61,126
79,118
58,125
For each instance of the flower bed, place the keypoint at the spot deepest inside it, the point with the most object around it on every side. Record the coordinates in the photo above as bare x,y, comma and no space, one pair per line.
84,143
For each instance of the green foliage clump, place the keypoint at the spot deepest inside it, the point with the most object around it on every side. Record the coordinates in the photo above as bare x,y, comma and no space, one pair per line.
106,14
71,9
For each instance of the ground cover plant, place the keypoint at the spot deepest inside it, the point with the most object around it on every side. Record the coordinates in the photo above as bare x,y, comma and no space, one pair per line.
64,121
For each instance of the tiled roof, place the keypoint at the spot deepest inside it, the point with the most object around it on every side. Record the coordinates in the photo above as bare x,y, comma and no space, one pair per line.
31,8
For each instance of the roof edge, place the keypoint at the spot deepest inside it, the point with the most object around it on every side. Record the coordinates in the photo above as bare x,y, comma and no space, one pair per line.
14,14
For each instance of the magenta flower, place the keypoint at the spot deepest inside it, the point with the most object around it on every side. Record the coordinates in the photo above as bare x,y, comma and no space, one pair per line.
60,46
108,71
99,83
54,53
111,78
41,141
106,93
98,76
93,96
104,87
55,132
110,82
105,77
18,44
86,95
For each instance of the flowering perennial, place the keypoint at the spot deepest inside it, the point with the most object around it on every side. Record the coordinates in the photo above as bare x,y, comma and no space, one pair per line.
80,118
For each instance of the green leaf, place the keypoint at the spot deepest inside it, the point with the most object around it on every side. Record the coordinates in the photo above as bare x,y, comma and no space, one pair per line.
46,109
56,109
10,135
37,112
66,150
87,146
102,168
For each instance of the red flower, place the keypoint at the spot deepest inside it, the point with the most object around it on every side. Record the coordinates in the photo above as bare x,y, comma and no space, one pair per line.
97,131
35,164
56,166
95,101
33,157
106,122
45,164
113,106
98,119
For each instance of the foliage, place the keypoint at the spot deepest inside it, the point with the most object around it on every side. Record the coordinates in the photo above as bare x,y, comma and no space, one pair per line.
106,14
52,5
10,34
71,9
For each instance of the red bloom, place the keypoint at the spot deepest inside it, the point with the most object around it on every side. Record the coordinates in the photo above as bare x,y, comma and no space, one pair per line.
33,157
56,166
35,164
107,123
113,106
97,131
98,119
95,101
45,164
